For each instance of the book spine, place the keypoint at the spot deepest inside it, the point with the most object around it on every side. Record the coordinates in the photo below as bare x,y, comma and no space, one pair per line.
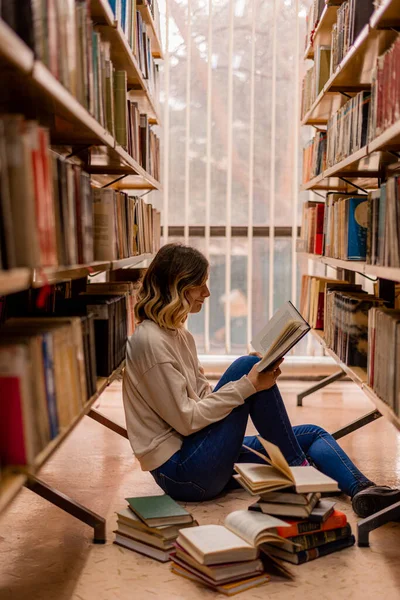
120,106
335,521
313,540
309,555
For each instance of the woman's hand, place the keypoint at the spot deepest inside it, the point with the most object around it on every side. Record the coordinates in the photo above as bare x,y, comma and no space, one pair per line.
266,379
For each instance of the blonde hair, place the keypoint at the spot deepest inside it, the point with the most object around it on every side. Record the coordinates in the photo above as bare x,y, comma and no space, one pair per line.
162,297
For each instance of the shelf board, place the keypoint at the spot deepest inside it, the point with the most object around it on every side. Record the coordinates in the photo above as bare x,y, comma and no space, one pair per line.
14,280
151,30
390,273
13,50
10,485
359,376
102,384
17,280
387,15
101,13
133,261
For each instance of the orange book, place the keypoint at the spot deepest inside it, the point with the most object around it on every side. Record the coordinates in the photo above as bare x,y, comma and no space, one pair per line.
335,521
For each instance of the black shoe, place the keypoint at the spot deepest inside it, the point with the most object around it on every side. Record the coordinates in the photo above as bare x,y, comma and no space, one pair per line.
373,499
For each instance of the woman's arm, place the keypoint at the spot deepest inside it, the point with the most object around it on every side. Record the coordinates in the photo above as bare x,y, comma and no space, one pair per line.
164,389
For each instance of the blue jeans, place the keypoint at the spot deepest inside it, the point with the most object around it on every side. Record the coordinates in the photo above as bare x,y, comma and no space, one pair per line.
203,467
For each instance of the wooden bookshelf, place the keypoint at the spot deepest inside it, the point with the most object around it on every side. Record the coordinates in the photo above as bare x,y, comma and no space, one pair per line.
152,30
359,376
75,125
14,280
10,484
322,33
102,384
387,15
390,273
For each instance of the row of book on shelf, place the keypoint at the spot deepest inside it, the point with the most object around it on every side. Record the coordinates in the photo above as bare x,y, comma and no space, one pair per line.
352,16
52,356
359,328
360,120
79,55
355,227
51,215
289,523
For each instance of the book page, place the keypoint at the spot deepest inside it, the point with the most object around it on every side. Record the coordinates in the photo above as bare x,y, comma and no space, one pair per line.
277,458
248,525
261,475
213,538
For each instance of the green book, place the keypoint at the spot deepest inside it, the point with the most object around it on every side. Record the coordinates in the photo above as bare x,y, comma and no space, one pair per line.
159,510
120,107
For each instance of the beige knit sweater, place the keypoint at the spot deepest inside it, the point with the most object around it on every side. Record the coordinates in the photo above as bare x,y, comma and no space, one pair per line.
166,397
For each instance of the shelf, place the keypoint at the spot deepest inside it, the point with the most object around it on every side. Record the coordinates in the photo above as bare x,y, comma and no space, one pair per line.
102,384
359,376
388,15
323,31
151,29
17,280
390,273
70,122
10,485
14,280
352,75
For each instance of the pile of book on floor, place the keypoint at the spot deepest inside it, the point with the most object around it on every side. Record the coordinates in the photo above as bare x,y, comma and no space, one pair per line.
227,557
151,524
312,527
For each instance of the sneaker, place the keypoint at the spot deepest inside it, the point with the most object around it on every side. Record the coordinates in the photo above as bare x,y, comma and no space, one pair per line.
373,499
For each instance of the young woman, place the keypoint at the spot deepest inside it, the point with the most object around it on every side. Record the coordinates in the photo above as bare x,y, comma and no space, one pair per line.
188,435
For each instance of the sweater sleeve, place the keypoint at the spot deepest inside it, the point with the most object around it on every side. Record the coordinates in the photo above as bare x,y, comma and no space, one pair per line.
164,389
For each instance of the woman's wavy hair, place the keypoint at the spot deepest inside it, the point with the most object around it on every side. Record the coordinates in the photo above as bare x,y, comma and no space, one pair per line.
162,297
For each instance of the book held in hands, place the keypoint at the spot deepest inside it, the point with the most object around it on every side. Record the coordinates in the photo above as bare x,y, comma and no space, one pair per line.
281,333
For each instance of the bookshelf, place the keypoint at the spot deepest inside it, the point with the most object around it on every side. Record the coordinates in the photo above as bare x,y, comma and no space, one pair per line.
78,137
366,168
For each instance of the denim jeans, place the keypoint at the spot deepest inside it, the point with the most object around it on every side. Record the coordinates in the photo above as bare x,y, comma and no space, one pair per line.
203,467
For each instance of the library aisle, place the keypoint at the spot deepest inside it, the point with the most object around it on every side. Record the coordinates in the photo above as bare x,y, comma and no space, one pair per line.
47,554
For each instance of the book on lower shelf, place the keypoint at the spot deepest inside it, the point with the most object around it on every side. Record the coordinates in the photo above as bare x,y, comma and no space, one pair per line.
50,214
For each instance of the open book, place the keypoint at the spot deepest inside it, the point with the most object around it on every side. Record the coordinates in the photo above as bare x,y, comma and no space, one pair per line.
237,540
276,474
280,334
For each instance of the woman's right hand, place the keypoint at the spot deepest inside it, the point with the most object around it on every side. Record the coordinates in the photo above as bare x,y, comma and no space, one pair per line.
266,379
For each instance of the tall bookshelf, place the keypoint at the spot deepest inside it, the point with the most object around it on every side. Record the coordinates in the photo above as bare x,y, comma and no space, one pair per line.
82,137
362,171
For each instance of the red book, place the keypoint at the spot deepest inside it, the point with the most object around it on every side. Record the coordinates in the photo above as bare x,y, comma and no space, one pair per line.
319,228
15,446
336,520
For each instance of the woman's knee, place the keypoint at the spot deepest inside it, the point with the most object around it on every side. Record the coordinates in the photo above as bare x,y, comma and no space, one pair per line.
245,363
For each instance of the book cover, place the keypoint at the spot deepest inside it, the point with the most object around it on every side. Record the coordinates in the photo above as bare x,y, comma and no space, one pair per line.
335,521
158,508
357,220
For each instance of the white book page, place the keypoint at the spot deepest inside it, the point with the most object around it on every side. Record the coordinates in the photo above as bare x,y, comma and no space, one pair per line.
309,479
261,475
212,538
249,524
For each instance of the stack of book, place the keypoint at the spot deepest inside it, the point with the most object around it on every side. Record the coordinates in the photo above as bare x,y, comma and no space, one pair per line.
313,18
316,77
314,156
128,289
385,91
352,17
226,557
124,225
383,237
142,143
151,524
46,374
340,227
346,324
348,128
292,492
384,355
313,295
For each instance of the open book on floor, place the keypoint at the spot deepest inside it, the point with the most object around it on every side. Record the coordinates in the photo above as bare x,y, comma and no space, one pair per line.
277,474
280,334
237,540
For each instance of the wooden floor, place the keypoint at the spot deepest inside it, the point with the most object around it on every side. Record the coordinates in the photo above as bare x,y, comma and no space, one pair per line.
48,555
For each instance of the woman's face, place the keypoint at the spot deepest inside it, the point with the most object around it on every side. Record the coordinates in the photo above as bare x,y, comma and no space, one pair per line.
196,296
